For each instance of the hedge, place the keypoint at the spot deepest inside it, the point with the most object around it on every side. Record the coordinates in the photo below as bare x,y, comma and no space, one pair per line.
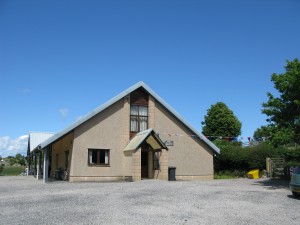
235,157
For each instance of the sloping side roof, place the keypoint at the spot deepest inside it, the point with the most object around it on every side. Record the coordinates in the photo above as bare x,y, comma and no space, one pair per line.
117,98
150,137
36,138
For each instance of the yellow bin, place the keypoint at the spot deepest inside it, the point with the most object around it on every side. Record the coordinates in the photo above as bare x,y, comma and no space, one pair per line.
253,174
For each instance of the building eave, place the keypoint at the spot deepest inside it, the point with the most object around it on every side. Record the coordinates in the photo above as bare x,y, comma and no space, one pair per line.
115,99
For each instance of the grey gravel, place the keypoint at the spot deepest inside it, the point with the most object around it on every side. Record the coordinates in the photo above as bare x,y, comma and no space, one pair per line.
25,200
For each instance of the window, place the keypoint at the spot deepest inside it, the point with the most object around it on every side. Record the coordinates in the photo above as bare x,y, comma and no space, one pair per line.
138,118
98,157
156,156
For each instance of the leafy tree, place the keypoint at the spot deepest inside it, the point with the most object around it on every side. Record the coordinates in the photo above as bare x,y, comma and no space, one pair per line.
20,159
282,136
284,111
18,156
220,121
278,136
263,132
12,161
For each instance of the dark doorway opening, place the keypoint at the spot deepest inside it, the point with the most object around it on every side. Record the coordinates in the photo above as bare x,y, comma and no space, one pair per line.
144,164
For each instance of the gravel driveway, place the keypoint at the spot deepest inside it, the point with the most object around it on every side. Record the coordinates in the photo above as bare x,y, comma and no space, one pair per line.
24,200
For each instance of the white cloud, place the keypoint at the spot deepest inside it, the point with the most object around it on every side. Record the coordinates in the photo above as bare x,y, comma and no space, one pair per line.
63,112
10,147
4,142
24,137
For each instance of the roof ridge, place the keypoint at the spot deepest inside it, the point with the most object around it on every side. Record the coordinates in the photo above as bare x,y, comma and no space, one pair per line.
41,132
119,97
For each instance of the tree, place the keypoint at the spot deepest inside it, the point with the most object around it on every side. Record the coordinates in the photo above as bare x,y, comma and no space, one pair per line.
20,159
18,156
284,111
12,161
263,132
220,121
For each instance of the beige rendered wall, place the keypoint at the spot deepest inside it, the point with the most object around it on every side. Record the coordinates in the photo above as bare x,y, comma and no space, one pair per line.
110,130
191,157
162,172
127,156
58,152
107,130
136,165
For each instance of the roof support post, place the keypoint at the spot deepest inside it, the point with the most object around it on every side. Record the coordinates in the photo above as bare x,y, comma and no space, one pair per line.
29,164
35,167
38,175
46,165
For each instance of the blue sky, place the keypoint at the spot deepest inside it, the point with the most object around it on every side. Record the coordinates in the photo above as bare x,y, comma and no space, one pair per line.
61,59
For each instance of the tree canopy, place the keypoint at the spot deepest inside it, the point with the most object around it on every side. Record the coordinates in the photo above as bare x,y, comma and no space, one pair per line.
263,132
220,121
284,111
18,159
277,136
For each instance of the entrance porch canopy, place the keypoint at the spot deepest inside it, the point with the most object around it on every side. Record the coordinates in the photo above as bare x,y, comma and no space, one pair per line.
150,137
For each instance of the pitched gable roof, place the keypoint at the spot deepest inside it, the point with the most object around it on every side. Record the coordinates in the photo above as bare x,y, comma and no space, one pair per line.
99,109
150,137
35,139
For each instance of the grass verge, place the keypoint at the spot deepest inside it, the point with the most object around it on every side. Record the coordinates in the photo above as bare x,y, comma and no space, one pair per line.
220,176
225,174
12,170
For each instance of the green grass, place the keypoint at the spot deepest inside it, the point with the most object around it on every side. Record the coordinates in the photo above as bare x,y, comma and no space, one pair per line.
225,174
12,170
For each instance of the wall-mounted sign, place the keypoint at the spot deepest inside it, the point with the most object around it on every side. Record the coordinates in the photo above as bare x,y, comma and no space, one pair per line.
169,143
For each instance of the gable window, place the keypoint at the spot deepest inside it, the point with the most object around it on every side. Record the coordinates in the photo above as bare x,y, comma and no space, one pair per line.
98,157
138,118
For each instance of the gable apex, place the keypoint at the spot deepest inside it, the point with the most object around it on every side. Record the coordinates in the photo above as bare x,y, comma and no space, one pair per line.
118,97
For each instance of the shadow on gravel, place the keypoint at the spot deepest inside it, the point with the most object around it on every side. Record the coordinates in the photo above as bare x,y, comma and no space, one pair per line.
273,184
293,197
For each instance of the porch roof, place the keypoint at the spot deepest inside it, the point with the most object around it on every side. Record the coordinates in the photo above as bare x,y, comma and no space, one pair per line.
150,137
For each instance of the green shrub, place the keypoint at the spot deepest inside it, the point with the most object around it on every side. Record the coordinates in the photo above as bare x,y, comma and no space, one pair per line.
234,157
1,167
257,155
293,163
235,160
291,155
228,174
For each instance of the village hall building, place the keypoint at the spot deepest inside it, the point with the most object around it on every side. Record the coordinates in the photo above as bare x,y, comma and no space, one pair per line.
135,135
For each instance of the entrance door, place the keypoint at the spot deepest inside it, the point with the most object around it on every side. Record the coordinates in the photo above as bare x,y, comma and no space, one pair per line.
144,164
